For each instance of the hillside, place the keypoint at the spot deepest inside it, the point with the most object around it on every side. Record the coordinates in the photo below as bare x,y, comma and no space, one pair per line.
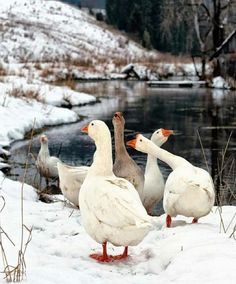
54,40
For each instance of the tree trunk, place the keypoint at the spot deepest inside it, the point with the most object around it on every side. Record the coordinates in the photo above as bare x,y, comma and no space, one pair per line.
217,34
203,75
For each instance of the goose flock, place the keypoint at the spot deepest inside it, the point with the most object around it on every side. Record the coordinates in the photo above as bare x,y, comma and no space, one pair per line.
116,200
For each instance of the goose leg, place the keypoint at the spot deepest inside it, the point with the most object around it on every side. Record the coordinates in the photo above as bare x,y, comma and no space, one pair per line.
195,220
121,256
168,221
104,257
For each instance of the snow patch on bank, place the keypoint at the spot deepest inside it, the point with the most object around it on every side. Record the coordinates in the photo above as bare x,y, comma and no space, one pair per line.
220,83
19,115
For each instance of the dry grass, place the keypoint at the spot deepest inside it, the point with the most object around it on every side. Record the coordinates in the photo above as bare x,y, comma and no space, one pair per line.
17,272
120,61
71,84
37,65
78,62
25,94
225,191
46,72
3,70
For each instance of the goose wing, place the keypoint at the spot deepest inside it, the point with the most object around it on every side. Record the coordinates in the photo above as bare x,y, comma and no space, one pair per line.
184,179
118,204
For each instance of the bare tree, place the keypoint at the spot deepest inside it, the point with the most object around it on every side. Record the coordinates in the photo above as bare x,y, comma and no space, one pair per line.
212,23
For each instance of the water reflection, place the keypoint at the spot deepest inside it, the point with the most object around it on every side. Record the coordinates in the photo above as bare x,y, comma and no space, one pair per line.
146,109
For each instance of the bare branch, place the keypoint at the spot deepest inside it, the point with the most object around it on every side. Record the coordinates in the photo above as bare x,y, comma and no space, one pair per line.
206,9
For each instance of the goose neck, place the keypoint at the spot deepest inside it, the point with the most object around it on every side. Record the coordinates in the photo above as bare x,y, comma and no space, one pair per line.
119,140
44,151
151,160
102,162
172,160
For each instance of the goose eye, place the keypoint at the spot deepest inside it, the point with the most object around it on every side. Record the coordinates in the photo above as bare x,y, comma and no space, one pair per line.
92,124
141,140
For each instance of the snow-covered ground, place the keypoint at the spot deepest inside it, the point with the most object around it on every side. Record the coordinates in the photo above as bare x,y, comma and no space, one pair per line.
25,106
59,249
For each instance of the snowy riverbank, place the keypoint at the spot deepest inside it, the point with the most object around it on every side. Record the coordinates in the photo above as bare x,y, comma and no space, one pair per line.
19,113
59,249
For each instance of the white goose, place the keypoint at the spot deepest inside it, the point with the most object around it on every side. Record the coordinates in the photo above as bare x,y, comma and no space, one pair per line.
189,190
110,207
46,164
71,178
154,181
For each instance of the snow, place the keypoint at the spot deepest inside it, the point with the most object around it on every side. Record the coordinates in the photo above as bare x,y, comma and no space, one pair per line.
218,95
220,83
59,249
43,112
177,83
32,113
4,165
20,114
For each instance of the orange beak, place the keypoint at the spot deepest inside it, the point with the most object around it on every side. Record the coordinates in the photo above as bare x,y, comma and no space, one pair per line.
131,143
166,132
84,129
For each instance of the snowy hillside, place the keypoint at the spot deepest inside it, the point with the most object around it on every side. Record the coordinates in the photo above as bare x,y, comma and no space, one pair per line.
50,36
45,41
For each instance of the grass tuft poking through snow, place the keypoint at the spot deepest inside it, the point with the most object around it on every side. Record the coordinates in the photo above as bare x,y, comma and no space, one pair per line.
16,273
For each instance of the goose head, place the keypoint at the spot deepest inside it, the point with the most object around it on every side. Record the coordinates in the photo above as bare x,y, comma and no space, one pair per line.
97,130
118,119
140,143
160,136
43,139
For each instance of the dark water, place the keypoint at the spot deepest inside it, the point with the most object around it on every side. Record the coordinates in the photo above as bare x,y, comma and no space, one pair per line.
191,112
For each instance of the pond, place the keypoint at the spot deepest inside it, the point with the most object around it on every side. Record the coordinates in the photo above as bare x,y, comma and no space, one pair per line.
204,120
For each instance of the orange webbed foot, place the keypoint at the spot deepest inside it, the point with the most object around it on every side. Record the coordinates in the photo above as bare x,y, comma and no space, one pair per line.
124,255
101,257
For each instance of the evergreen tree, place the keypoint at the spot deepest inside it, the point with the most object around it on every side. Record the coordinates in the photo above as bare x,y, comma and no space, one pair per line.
165,25
111,11
146,41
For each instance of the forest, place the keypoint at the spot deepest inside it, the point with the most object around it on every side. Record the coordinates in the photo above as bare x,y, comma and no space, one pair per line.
181,27
163,25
